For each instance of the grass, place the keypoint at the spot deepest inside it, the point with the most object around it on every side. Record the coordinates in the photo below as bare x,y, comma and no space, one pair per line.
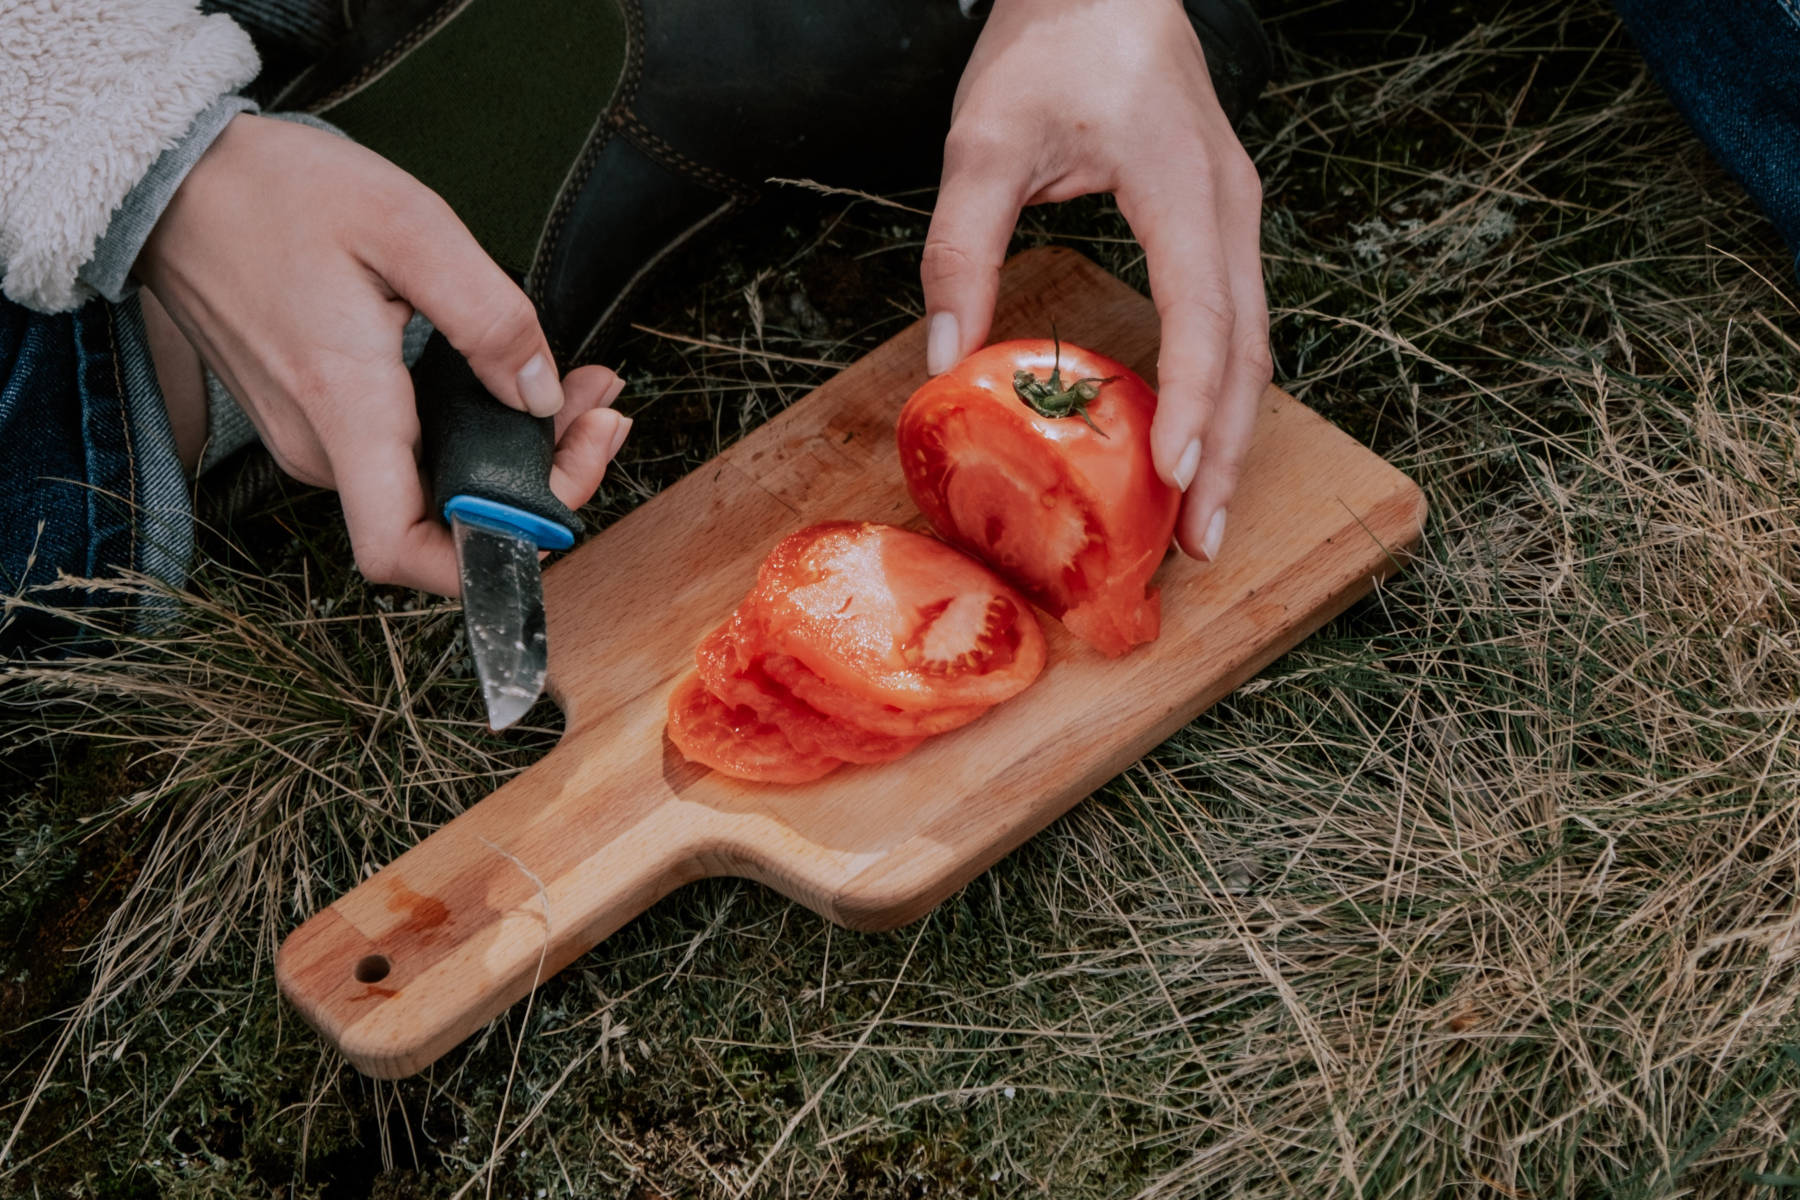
1489,889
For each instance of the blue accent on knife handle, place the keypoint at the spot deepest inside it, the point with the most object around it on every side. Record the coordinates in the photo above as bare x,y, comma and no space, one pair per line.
491,461
477,510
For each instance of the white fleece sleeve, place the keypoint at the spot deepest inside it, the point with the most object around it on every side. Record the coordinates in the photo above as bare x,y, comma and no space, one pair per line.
91,91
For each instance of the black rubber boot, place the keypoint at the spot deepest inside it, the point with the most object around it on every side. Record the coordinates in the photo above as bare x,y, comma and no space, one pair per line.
583,143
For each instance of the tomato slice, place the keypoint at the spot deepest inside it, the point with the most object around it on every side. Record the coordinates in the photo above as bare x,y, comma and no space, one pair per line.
895,618
862,712
1068,509
737,676
740,647
734,741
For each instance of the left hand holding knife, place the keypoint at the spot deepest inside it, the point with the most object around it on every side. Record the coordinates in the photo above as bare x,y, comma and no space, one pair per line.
292,259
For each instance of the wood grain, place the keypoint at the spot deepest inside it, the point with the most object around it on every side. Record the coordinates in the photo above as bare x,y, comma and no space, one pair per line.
532,877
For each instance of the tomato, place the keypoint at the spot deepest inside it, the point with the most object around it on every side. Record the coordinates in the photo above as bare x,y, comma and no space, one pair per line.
872,715
734,741
740,647
857,642
1067,508
736,675
895,618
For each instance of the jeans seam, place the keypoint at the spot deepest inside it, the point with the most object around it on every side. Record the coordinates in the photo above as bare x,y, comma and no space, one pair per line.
1793,10
131,485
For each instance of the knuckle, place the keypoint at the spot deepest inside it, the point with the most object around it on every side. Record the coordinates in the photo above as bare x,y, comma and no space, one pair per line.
975,142
943,259
309,386
421,208
1225,474
378,562
1206,311
409,221
508,321
1242,178
1184,412
1257,364
314,409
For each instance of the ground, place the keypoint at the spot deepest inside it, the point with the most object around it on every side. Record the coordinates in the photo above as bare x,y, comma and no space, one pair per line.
1488,889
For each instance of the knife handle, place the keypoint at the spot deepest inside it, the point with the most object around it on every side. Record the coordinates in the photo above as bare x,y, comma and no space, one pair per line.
487,462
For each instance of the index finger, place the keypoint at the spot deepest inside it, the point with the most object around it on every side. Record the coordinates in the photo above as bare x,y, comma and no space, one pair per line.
432,261
395,536
977,207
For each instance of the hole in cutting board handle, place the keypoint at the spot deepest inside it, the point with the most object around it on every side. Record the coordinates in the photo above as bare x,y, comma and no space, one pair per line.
372,968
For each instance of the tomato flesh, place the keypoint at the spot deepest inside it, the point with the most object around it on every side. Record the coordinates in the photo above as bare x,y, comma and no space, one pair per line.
1010,502
737,676
861,712
896,618
741,647
1071,514
733,740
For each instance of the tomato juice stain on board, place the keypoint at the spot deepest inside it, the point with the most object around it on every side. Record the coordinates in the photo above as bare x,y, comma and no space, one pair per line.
371,992
424,913
678,770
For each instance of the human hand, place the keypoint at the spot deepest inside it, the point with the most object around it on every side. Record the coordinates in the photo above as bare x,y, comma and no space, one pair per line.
292,259
1063,98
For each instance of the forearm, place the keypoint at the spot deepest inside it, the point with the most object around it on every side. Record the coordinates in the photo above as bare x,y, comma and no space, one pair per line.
92,92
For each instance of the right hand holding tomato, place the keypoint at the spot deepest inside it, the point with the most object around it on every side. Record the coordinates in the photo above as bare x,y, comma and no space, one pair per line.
1063,98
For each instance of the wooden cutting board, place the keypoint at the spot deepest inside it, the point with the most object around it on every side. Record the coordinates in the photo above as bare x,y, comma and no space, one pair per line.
427,950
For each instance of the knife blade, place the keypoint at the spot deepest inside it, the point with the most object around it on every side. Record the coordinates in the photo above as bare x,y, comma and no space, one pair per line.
490,476
503,615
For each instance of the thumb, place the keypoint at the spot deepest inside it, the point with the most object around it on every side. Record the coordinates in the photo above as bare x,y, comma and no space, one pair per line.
434,263
978,205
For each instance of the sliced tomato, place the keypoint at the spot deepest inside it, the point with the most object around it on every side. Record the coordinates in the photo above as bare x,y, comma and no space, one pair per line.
740,647
735,674
872,715
895,618
1067,508
732,740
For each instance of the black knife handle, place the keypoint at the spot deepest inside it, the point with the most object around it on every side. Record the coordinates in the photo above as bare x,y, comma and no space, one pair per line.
476,446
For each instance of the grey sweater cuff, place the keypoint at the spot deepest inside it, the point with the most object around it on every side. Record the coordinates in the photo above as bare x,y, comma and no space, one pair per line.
108,272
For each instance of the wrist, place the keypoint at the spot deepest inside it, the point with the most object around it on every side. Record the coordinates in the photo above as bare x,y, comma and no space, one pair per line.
206,197
112,269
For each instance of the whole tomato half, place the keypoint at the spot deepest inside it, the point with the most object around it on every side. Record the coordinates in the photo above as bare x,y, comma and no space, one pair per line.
1034,456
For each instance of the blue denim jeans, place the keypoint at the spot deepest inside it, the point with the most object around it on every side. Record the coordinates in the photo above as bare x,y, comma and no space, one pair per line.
1733,69
90,481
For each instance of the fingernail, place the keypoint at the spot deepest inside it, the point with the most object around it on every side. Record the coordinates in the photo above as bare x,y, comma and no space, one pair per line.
941,343
1190,462
1215,533
613,392
539,387
618,438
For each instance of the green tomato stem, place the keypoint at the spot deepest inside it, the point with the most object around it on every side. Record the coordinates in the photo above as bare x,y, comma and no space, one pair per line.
1049,398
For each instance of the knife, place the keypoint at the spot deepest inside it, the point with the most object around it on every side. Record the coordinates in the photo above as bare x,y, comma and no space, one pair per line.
489,467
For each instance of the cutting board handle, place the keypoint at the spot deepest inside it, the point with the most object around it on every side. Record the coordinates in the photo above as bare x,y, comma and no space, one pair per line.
446,937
